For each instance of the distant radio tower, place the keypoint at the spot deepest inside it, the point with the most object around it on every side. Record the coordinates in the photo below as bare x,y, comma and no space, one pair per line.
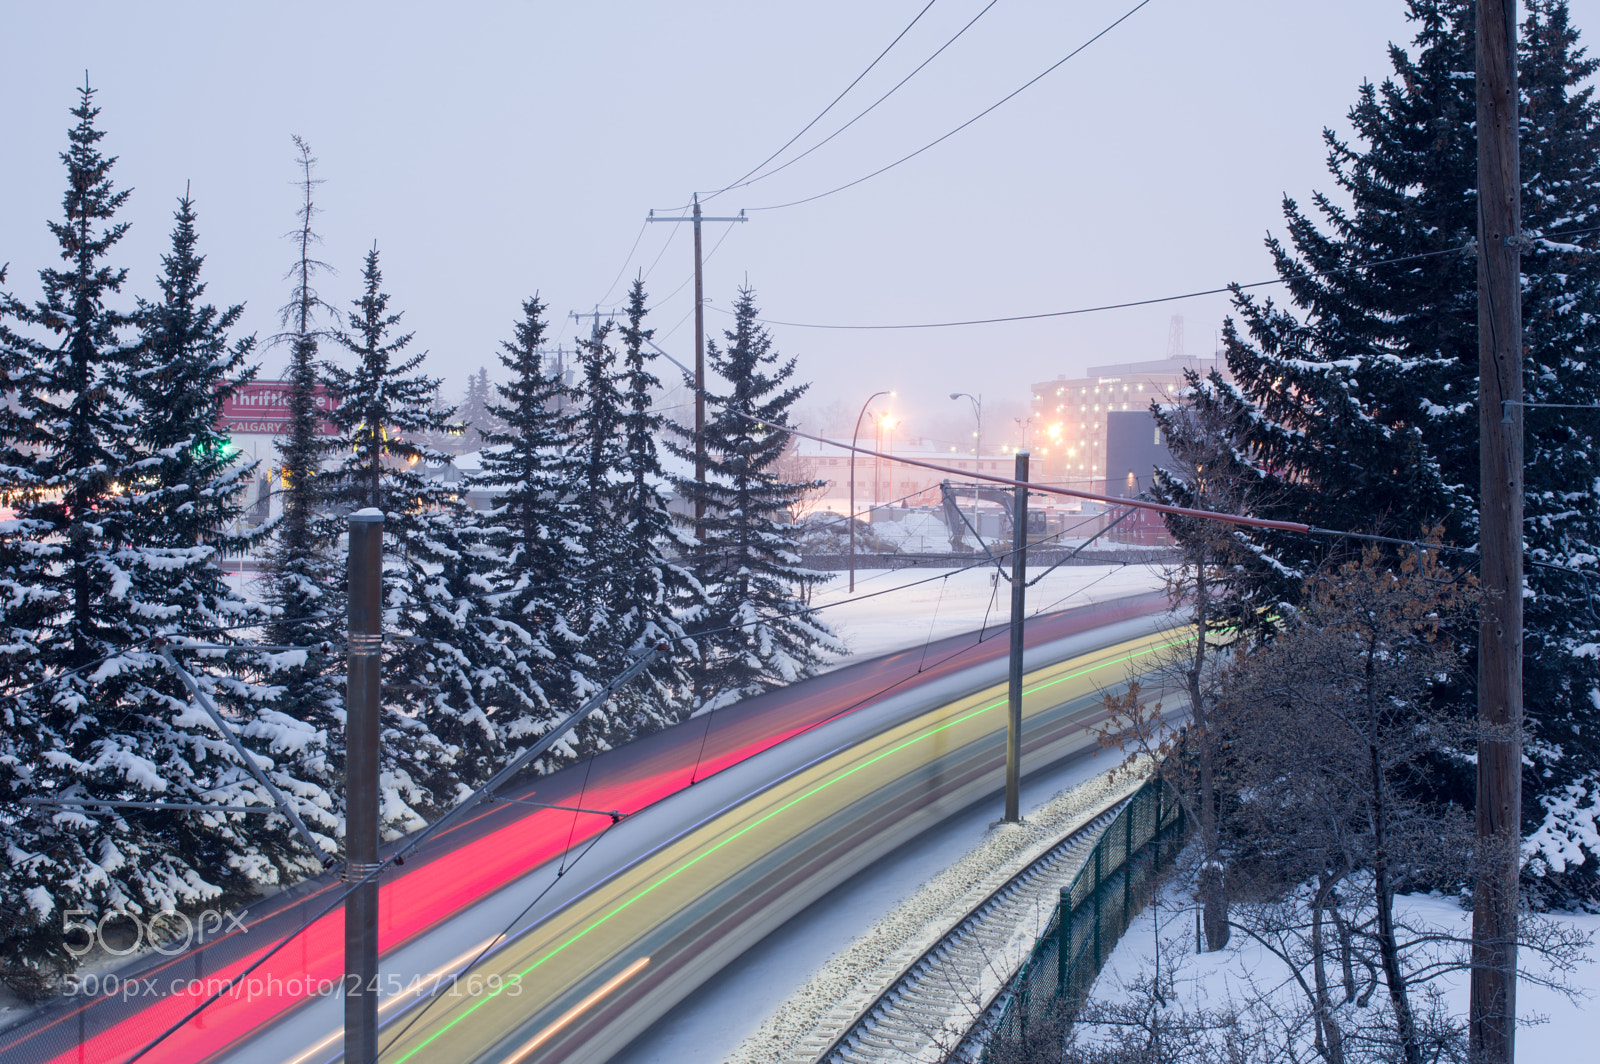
1175,337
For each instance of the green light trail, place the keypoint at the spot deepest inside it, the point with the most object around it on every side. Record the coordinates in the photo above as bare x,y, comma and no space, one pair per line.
1086,670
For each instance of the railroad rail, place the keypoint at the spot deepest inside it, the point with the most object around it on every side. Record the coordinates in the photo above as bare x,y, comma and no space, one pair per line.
927,1010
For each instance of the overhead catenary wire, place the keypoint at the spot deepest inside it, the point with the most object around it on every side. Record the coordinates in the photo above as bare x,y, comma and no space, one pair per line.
986,111
545,741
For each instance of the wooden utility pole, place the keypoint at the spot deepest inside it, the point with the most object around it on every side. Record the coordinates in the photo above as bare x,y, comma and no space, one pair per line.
1019,594
1493,1014
363,701
699,353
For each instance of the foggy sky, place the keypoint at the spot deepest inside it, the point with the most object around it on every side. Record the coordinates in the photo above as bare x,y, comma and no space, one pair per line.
495,150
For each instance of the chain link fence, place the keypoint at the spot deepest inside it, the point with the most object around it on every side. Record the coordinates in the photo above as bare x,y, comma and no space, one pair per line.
1112,886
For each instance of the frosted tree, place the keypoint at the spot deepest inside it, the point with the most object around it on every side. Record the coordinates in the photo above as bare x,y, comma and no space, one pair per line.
592,596
654,592
753,634
1358,404
385,408
304,579
109,551
534,527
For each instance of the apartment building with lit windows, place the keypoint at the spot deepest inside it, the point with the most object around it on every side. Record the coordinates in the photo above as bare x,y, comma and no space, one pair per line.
1068,436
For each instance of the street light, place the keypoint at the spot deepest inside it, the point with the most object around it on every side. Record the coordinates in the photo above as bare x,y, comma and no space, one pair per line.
852,521
885,427
977,455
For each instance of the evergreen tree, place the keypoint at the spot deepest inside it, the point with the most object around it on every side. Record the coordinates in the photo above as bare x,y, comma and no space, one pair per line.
533,528
475,413
186,495
438,736
304,587
191,485
752,635
655,595
107,553
1357,408
590,641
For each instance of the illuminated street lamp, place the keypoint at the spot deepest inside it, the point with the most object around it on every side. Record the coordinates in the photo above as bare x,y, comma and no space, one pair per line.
852,521
886,424
977,454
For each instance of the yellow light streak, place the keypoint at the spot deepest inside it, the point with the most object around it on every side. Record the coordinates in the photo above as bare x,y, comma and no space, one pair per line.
418,986
578,1010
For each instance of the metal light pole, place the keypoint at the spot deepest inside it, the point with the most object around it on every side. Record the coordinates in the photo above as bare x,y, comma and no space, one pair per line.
977,456
1019,592
363,697
852,522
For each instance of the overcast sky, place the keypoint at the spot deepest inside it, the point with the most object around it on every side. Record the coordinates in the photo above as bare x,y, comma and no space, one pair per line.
495,150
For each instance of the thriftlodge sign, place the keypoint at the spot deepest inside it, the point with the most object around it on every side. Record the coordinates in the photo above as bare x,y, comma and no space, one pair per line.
263,407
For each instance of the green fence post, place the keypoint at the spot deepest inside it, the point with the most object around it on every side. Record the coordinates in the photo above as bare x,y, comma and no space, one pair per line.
1063,939
1097,892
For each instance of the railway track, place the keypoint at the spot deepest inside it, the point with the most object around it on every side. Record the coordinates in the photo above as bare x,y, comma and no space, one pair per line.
926,1013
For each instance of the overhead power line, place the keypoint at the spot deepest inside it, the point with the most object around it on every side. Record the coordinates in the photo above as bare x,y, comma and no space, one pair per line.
742,183
737,182
1459,249
986,111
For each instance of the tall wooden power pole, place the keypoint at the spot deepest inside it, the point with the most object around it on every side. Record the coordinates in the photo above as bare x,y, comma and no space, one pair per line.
699,352
1499,808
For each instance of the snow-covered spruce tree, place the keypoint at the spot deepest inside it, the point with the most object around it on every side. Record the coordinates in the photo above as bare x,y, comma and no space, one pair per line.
438,739
475,413
753,634
656,595
186,494
1561,329
1358,406
304,579
593,595
104,559
30,872
533,529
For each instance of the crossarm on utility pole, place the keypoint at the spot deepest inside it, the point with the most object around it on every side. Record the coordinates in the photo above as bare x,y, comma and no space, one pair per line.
699,353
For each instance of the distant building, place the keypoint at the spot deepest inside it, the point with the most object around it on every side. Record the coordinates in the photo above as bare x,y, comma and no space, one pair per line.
1071,416
880,482
254,417
1135,448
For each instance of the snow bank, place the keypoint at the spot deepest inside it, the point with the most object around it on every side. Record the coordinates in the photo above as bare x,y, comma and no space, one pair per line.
1555,1029
851,980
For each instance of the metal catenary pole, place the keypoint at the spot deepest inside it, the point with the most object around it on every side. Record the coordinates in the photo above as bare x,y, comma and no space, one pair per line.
363,700
1019,594
1493,1014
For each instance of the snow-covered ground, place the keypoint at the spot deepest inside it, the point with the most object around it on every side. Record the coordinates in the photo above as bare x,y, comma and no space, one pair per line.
893,609
1557,1028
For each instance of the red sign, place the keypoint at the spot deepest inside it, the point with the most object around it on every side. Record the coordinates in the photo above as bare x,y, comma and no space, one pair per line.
263,407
